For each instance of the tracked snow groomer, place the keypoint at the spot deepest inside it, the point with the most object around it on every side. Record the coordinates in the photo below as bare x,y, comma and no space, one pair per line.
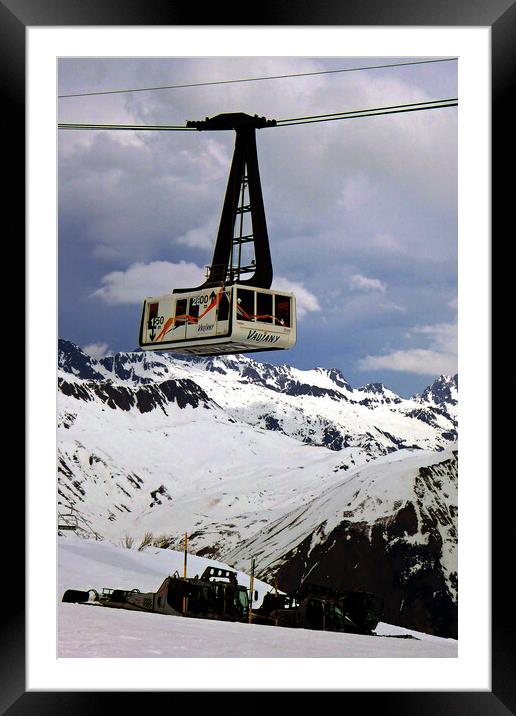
216,594
316,607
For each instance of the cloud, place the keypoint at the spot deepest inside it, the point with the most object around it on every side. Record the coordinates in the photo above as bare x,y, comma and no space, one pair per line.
443,336
200,237
355,193
159,277
305,300
97,350
416,360
439,357
392,307
372,197
387,244
152,279
133,202
357,282
141,191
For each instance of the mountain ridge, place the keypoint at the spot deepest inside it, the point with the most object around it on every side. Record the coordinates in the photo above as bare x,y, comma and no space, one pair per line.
226,448
276,400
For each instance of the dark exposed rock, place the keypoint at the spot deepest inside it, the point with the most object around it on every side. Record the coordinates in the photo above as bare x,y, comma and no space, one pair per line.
396,442
73,360
271,423
381,557
407,577
294,387
441,391
252,374
450,435
135,481
160,491
336,376
67,420
211,368
333,438
209,552
183,392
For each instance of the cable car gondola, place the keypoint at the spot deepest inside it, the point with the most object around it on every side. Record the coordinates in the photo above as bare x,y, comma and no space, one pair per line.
228,313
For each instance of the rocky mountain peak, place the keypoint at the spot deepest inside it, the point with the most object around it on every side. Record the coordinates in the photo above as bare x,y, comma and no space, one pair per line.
336,376
442,392
376,388
73,360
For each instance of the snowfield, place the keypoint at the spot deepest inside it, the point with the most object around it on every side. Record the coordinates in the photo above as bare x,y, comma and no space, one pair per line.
314,478
91,631
367,493
221,447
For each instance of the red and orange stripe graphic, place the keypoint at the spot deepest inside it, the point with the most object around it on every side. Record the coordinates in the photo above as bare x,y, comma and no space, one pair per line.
171,322
257,317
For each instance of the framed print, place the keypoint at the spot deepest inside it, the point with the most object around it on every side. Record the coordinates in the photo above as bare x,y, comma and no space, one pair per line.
38,36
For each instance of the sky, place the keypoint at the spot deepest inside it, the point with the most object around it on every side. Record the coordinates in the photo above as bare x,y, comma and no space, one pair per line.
361,213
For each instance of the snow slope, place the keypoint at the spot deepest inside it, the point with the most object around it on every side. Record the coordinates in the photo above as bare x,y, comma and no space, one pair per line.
85,564
148,442
368,494
185,470
296,467
316,406
89,631
388,527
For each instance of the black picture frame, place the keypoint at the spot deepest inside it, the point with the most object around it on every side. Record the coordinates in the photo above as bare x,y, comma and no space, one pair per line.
499,15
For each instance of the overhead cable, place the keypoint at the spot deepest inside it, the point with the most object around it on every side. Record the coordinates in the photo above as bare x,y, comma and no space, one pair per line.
350,114
360,111
254,79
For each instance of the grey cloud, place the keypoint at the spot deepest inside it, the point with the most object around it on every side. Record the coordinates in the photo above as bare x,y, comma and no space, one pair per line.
372,197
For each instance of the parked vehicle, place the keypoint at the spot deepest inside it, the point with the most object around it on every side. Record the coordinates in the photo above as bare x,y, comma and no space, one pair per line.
317,607
216,594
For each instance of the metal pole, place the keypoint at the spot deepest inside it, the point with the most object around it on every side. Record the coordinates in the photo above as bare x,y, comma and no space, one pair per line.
251,588
242,203
184,573
276,593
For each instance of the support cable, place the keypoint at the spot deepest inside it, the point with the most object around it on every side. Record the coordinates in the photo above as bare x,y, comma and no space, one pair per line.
255,79
350,114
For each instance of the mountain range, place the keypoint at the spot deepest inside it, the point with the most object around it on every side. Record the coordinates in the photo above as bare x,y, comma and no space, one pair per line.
318,480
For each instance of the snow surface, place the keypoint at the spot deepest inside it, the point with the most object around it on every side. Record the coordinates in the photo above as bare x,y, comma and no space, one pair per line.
215,471
219,479
91,631
249,470
365,494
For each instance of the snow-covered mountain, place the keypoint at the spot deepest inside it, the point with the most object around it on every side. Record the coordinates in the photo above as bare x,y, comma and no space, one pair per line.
228,449
317,407
394,516
443,392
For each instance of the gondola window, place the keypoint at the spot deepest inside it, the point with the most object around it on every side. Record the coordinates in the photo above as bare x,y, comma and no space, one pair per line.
223,312
245,304
180,318
193,312
283,310
264,307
